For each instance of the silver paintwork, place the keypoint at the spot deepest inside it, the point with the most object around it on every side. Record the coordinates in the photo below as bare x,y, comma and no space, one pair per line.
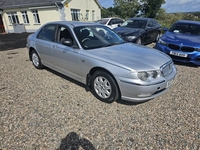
123,61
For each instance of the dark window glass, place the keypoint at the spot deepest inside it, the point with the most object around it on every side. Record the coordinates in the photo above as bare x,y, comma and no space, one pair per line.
47,33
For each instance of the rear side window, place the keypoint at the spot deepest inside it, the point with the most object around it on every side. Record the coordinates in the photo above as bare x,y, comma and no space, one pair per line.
155,23
119,21
47,33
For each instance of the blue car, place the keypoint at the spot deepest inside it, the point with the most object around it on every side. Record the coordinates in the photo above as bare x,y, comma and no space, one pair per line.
182,42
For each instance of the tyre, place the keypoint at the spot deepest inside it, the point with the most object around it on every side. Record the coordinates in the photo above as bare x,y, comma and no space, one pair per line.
139,41
36,60
104,87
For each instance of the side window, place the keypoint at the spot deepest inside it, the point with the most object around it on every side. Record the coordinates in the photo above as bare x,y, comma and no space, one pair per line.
155,23
64,33
47,33
112,21
150,23
119,21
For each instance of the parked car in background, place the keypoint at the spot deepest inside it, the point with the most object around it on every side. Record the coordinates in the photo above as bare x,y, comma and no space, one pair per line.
110,22
139,30
182,42
96,56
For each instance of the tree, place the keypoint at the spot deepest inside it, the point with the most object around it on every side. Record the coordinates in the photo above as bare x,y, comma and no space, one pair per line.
109,12
149,8
126,8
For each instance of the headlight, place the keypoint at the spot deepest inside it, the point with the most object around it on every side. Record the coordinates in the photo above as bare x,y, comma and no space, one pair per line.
130,38
143,75
148,75
162,42
197,49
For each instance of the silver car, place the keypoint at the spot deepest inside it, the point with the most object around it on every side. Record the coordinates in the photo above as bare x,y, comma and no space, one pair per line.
96,56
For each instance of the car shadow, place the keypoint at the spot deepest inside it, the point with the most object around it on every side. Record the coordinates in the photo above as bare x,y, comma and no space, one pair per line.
12,41
66,77
124,102
120,101
73,142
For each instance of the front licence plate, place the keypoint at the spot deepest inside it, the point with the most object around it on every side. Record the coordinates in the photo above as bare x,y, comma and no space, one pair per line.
169,83
178,54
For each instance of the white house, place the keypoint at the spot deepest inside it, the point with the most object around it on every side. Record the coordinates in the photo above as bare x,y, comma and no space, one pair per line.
28,15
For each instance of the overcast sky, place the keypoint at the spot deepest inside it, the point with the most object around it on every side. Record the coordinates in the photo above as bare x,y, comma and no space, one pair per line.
169,6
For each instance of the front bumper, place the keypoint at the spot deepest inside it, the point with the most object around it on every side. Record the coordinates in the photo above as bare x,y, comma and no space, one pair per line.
138,93
189,57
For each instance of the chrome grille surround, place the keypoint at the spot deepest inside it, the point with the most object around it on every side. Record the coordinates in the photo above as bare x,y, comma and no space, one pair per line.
167,69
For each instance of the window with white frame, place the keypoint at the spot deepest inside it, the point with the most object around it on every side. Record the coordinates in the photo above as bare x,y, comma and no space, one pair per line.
13,18
87,15
93,17
36,16
25,17
75,14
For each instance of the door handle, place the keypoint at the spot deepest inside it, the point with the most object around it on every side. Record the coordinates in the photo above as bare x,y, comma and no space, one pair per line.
54,46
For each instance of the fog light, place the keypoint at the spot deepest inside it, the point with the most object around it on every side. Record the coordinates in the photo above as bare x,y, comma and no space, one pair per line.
144,95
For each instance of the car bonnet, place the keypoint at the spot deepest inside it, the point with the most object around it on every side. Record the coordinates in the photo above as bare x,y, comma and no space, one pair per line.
131,56
126,31
183,39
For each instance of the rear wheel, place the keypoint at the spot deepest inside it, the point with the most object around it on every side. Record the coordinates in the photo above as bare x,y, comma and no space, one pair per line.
36,60
104,87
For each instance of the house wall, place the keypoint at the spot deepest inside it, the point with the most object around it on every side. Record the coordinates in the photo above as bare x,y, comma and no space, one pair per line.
45,15
83,5
50,13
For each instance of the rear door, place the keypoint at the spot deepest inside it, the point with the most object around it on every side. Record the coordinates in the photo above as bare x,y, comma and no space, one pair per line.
44,43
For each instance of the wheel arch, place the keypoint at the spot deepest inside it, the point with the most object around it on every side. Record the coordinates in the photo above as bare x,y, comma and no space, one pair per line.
30,51
93,70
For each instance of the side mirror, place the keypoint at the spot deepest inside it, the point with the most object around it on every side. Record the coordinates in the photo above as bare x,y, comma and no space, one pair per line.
67,42
148,28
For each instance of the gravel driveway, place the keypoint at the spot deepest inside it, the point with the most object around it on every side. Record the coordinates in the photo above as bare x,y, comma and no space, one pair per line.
43,110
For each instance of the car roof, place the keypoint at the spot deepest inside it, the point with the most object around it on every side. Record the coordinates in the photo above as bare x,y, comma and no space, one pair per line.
138,18
188,21
109,18
72,23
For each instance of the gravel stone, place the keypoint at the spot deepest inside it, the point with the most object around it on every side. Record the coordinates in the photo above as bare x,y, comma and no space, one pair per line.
42,109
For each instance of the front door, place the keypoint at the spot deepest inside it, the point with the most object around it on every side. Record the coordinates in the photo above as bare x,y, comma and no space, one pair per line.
65,58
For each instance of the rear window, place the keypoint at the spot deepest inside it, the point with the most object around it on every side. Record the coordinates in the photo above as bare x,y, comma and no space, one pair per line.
102,21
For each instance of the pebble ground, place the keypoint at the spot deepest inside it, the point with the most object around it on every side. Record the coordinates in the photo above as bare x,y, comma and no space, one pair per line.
43,110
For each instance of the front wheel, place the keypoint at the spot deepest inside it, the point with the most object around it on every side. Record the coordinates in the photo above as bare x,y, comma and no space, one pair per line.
36,60
104,87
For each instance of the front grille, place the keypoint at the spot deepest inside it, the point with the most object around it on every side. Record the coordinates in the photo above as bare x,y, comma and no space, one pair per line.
173,46
184,48
187,49
167,69
197,59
